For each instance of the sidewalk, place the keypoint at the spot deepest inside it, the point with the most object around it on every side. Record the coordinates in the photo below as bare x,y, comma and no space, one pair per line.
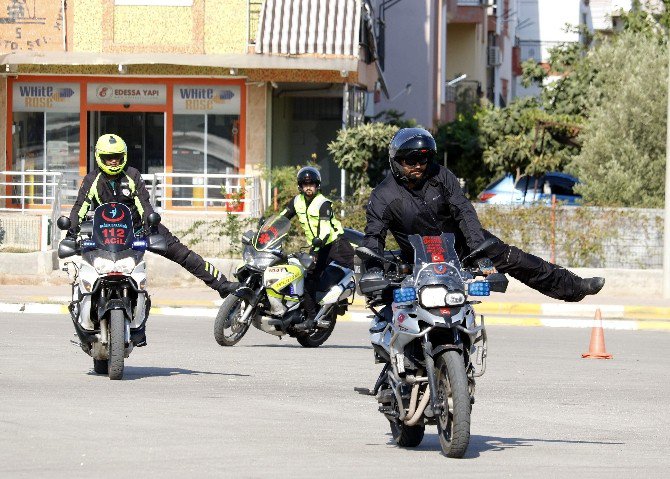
528,308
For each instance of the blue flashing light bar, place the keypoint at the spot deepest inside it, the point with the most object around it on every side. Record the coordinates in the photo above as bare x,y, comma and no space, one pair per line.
404,295
479,288
87,244
140,245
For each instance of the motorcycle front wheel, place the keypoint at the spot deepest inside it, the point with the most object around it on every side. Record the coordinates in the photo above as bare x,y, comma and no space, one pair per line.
453,423
117,343
228,329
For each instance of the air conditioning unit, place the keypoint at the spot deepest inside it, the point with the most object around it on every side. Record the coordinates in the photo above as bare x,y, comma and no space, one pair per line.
494,57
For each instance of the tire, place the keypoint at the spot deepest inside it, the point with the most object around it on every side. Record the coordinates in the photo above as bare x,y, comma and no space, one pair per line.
318,336
227,330
404,435
101,366
407,436
453,424
117,343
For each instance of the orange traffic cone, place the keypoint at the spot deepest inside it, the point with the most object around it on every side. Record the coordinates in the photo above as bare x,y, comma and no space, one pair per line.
597,345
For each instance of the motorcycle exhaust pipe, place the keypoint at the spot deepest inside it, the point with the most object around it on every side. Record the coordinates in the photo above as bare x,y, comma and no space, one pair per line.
419,410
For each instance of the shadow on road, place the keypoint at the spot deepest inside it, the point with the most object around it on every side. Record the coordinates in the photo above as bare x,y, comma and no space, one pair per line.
133,372
480,444
292,345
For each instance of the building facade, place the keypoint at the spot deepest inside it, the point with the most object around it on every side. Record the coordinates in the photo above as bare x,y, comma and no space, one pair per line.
200,90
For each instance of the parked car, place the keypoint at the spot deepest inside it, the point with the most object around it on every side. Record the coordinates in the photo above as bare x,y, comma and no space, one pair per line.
531,189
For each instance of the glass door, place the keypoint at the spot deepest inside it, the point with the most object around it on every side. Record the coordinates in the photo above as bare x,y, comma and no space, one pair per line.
143,132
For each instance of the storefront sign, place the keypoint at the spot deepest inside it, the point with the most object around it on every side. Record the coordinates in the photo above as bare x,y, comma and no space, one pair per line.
126,94
56,97
222,100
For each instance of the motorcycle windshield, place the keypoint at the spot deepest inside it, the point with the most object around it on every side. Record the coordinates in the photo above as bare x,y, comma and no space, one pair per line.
435,259
113,227
272,233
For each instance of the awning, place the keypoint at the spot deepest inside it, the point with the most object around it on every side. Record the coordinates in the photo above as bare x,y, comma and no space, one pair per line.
242,61
309,27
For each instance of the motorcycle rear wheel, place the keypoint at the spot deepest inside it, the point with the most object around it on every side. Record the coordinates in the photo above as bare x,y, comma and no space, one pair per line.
117,343
317,337
100,366
453,424
227,329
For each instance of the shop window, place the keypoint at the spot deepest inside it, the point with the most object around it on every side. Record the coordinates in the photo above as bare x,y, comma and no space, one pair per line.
205,142
45,138
45,142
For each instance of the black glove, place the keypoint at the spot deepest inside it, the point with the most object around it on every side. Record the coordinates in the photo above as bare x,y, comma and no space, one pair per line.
485,265
228,287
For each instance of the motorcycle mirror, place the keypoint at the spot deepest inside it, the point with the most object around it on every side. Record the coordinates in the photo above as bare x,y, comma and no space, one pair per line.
63,223
498,282
247,237
478,252
153,219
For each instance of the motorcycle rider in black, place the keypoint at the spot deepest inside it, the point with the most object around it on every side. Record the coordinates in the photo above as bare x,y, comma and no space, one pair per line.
323,232
421,197
112,181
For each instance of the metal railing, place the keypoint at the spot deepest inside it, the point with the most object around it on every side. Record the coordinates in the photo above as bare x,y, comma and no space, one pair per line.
470,3
23,189
232,194
213,193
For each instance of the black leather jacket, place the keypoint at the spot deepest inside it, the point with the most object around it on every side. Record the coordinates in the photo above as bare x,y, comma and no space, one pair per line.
97,188
437,205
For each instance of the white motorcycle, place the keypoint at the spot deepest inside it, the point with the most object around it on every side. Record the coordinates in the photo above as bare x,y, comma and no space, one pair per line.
431,342
272,295
110,304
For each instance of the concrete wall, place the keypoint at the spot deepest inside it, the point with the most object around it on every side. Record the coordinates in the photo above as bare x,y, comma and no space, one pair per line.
212,26
410,41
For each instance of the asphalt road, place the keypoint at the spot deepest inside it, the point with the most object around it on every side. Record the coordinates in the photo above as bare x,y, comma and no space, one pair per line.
188,407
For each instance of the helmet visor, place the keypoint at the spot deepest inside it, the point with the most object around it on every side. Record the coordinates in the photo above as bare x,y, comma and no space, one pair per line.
110,158
415,157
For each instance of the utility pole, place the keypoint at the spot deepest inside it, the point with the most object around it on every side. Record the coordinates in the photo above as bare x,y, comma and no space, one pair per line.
666,222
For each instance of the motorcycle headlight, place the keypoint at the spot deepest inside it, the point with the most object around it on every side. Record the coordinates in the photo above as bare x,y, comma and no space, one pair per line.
433,296
125,265
103,265
455,298
439,297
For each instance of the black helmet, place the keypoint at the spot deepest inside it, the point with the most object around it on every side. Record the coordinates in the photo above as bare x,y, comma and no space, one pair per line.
309,174
410,143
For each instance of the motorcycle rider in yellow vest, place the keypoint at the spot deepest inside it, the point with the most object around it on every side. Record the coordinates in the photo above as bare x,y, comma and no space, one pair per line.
324,234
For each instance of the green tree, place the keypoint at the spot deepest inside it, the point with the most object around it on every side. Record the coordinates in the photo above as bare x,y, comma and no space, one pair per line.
523,138
363,152
622,159
459,140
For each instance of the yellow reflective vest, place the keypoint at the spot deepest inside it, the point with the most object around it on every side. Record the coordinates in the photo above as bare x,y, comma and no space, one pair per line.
317,219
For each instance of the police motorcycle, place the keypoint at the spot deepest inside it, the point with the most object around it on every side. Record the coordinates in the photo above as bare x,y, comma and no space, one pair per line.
432,344
110,304
272,292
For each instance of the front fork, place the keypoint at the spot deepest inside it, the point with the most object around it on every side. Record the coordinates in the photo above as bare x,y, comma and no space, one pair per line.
430,372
